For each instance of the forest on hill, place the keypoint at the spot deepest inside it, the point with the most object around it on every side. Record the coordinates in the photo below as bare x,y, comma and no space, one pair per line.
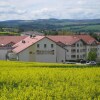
90,25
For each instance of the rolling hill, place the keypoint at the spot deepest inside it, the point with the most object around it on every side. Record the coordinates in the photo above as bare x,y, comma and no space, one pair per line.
88,25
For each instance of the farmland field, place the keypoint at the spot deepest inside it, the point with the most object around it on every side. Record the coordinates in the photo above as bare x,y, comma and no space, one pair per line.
40,81
7,33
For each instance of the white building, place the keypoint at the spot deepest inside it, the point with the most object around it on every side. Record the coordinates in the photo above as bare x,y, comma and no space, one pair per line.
54,48
39,49
77,46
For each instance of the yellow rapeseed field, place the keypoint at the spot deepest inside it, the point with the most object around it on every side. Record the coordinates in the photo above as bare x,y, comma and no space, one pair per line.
41,81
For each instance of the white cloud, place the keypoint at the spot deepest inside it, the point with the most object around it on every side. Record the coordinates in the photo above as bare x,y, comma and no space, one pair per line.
36,9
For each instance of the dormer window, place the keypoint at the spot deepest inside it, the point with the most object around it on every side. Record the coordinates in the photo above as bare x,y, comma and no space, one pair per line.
9,45
23,41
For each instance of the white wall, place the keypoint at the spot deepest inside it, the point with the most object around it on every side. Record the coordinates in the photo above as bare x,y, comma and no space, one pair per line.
24,55
80,53
68,52
98,53
58,56
3,53
46,57
61,54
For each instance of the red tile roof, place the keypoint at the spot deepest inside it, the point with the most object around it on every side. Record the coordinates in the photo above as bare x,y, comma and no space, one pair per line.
67,40
4,40
87,38
71,39
25,43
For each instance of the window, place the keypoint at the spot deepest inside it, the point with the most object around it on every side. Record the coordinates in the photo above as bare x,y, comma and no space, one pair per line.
84,55
77,56
73,50
77,50
81,50
45,45
73,56
38,45
45,52
77,45
73,45
38,52
84,50
30,52
9,45
52,45
51,52
81,56
67,50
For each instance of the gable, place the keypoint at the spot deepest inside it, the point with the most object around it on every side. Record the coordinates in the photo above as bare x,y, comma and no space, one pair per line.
80,42
25,43
94,43
6,40
19,47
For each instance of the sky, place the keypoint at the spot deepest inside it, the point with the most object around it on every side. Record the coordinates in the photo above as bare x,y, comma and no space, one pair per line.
45,9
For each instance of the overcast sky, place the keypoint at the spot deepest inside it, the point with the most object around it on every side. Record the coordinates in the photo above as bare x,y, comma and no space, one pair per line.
41,9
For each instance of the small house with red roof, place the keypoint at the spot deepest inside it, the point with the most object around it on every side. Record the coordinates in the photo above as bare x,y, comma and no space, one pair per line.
6,43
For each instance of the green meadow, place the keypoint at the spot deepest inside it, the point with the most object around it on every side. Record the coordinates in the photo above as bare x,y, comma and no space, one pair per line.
45,81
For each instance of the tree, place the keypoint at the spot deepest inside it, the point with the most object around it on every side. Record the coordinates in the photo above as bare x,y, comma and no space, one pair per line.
65,32
92,55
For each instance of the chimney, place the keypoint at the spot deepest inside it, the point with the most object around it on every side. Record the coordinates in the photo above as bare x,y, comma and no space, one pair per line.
32,36
23,41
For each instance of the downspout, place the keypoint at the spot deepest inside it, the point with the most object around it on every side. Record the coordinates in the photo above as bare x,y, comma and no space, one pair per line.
65,55
17,57
56,54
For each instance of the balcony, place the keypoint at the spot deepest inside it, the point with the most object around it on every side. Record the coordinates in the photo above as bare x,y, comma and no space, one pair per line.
73,51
